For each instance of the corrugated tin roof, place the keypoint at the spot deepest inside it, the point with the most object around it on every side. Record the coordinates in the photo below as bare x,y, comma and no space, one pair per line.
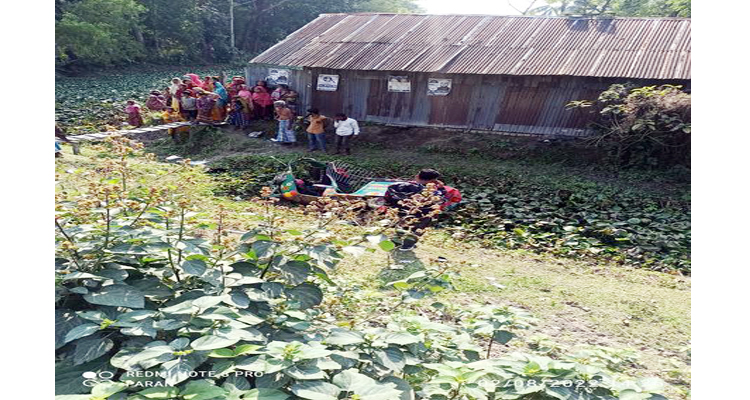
646,48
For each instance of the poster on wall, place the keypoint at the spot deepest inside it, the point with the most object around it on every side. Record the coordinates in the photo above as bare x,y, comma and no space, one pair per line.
277,76
438,86
328,83
399,84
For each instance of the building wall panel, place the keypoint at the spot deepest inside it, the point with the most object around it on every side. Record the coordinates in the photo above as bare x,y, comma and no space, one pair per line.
503,103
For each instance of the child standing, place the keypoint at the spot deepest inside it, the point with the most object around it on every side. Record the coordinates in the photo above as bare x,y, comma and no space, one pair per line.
134,114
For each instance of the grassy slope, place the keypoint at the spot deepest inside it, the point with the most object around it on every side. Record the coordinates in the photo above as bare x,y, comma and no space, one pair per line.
576,302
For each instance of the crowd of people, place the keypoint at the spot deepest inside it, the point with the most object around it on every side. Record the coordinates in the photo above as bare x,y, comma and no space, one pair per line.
211,101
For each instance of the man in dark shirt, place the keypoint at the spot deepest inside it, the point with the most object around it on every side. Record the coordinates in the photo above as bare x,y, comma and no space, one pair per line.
421,216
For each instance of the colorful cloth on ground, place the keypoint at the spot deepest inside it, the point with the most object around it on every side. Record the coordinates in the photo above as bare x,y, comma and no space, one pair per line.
452,197
374,189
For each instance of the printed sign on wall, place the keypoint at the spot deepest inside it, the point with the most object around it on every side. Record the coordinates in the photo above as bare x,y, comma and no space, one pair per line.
438,86
278,76
328,83
399,84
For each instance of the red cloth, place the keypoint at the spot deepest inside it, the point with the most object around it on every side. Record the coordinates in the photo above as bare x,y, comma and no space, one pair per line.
452,196
196,80
262,99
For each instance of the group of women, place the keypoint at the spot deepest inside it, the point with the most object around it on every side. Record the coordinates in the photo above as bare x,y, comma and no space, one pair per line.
209,100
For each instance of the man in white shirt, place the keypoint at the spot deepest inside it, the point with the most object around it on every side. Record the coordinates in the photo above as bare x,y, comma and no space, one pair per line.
345,129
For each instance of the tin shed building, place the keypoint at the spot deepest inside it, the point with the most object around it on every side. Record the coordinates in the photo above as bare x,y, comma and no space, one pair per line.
510,74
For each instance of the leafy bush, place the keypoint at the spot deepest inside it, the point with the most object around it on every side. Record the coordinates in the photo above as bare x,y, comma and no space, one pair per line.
568,218
644,126
151,304
98,32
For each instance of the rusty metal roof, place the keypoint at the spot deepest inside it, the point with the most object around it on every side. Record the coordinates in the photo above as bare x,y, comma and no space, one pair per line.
647,48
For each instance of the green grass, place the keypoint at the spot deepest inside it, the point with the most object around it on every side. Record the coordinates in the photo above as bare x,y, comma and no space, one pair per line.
577,302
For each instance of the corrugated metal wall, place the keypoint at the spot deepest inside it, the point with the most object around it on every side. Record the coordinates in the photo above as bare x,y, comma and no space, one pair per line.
501,103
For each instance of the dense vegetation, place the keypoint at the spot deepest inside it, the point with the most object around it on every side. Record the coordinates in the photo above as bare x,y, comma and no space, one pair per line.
564,216
622,8
100,33
158,299
641,126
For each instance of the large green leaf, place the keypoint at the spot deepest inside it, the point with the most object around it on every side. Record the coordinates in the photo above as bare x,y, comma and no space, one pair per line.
91,348
343,337
211,342
106,389
178,370
316,390
307,294
401,338
265,394
194,267
69,378
160,393
295,272
201,390
65,321
391,358
118,295
365,387
81,331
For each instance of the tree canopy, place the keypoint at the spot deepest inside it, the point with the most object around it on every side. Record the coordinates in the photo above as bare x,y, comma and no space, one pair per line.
115,32
92,33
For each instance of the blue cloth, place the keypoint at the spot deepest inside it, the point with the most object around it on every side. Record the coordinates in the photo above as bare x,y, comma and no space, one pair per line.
285,134
315,141
58,148
223,95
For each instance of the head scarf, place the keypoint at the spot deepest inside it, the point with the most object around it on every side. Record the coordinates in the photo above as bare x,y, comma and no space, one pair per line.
244,93
154,103
196,80
223,95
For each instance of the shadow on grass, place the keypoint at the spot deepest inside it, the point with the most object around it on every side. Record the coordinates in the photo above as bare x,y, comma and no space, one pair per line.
403,264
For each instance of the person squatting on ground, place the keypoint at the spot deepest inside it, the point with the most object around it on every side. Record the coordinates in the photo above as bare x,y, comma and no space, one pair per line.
417,206
345,129
316,130
284,115
134,114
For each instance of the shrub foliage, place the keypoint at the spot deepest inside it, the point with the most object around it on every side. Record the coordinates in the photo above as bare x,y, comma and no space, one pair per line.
151,304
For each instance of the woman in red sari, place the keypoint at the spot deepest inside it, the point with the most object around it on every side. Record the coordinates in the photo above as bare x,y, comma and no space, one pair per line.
262,103
134,114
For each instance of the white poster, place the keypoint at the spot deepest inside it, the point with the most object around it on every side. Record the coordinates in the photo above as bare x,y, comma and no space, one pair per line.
399,84
328,83
438,86
278,76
